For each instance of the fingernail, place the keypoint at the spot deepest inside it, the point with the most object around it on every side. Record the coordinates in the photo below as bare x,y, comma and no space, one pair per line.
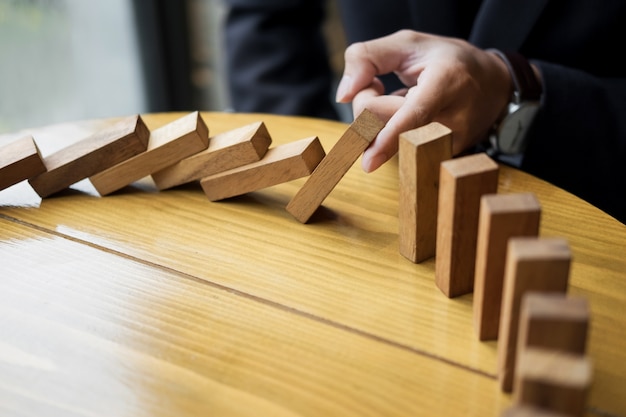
343,88
372,162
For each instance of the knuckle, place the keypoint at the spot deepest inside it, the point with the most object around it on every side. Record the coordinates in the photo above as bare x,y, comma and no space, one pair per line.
355,50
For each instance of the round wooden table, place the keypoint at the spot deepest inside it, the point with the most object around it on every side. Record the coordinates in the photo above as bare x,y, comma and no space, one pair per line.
148,303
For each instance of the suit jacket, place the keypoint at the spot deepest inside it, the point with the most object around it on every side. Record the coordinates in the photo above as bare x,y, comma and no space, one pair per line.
578,138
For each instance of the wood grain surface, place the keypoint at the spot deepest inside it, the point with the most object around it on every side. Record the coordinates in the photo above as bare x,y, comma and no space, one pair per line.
150,303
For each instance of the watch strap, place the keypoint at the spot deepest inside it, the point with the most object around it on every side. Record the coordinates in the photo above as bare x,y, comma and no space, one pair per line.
526,84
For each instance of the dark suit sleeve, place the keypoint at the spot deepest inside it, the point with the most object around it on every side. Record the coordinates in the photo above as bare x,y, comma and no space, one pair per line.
277,59
578,140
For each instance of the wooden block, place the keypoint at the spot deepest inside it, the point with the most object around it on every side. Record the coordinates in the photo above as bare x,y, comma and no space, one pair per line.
532,264
335,165
553,380
501,217
280,164
91,155
421,152
167,145
462,183
553,321
19,160
530,411
227,150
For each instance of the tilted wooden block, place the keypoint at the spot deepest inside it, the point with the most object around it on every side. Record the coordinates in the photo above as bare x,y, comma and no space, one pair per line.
553,321
280,164
91,155
462,183
227,150
502,216
532,264
335,165
19,160
421,152
553,380
167,145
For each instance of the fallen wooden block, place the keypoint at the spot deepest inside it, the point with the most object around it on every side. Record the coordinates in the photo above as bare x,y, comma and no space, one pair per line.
553,380
91,155
167,145
280,164
462,183
19,161
335,165
532,264
421,152
553,321
502,216
227,150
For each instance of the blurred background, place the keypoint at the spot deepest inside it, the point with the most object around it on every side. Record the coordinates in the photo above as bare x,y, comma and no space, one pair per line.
67,60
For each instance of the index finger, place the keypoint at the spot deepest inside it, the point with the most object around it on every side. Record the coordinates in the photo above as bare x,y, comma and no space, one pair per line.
366,60
421,105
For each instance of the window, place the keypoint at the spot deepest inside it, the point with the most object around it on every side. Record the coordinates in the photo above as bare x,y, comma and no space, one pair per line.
65,60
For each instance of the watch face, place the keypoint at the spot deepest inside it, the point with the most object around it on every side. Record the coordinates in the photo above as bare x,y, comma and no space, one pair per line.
513,129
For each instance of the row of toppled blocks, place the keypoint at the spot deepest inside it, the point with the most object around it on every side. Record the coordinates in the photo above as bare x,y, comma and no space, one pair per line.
228,164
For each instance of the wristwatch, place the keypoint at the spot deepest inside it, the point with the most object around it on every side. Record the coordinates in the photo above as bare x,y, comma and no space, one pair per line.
509,136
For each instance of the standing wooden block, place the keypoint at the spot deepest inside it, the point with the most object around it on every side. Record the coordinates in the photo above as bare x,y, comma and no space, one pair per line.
553,321
335,165
167,145
421,152
91,155
462,183
502,216
280,164
227,150
553,380
19,160
532,264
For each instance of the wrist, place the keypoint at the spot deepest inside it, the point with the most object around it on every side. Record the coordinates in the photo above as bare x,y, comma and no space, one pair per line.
504,86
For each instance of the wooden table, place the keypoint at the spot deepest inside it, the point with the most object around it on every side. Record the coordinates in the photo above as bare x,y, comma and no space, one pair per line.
147,303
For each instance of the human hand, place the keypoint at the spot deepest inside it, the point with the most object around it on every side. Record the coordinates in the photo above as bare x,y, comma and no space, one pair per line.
448,81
